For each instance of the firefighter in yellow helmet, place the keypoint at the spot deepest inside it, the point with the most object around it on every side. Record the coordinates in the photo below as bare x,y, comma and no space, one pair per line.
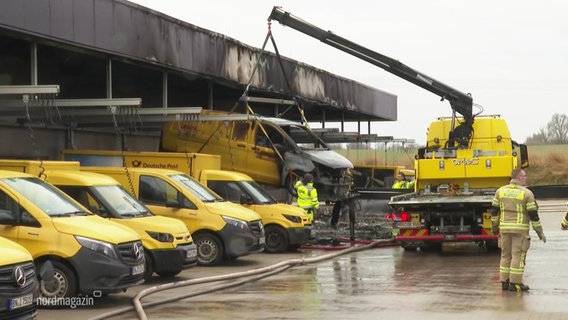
307,195
514,208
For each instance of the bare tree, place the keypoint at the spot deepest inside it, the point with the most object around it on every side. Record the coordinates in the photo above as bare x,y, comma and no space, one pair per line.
544,135
557,129
538,138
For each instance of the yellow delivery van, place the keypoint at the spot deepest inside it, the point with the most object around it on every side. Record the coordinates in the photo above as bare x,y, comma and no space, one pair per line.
167,242
19,288
220,229
90,255
168,245
286,226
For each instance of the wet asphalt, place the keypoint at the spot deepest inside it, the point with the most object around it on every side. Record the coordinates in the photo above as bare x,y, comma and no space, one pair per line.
460,282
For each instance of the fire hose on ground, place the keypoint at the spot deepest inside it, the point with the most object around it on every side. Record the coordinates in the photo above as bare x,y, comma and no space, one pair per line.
248,276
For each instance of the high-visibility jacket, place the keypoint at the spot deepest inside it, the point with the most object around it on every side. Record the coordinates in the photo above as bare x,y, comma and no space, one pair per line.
515,202
403,184
308,197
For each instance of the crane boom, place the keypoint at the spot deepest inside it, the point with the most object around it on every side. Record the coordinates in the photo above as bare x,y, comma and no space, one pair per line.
459,101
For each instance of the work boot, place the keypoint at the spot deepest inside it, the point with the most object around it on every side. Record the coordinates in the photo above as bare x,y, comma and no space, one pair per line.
505,285
518,287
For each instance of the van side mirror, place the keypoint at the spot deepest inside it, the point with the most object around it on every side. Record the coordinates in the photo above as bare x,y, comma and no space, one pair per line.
172,203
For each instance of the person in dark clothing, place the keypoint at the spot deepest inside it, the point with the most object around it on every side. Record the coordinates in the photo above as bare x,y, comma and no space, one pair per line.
336,212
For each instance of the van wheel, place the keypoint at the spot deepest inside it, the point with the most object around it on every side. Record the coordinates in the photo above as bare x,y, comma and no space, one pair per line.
294,247
276,239
148,267
209,249
63,284
168,274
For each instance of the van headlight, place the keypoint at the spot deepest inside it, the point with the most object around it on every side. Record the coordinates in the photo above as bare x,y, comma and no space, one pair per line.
162,237
294,219
240,224
99,246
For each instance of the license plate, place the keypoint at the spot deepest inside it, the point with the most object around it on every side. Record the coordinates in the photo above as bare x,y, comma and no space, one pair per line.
409,225
20,302
449,237
261,240
137,269
191,253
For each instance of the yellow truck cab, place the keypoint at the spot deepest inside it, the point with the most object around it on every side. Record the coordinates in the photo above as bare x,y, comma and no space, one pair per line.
90,255
220,229
168,245
18,284
286,227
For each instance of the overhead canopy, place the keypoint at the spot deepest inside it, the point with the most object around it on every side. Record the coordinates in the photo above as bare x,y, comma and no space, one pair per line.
115,49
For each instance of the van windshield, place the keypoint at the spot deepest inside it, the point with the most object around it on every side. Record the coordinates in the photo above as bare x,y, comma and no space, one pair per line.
119,201
234,191
191,185
259,195
46,197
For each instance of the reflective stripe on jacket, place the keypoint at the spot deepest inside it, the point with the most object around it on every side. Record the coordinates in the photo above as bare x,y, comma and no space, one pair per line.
514,202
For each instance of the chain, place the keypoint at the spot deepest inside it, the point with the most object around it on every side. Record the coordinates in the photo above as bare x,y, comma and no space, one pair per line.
128,176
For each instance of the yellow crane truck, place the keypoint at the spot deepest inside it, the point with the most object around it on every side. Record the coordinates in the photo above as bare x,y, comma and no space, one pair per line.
466,158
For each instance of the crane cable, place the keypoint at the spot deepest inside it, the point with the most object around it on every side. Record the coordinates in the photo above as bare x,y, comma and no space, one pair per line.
298,105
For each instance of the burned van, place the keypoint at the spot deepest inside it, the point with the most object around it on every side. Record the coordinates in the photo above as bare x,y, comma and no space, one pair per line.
272,151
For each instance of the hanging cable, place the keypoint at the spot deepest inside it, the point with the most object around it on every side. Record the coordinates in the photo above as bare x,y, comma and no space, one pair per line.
28,100
245,93
298,105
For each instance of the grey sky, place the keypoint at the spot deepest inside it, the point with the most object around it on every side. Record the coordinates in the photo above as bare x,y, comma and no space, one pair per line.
511,55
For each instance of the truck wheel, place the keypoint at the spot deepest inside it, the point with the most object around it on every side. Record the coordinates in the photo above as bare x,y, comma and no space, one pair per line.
63,284
407,247
276,239
492,246
434,246
209,249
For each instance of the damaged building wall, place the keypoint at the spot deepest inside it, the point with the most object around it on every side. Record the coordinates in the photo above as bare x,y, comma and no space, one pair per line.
123,29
